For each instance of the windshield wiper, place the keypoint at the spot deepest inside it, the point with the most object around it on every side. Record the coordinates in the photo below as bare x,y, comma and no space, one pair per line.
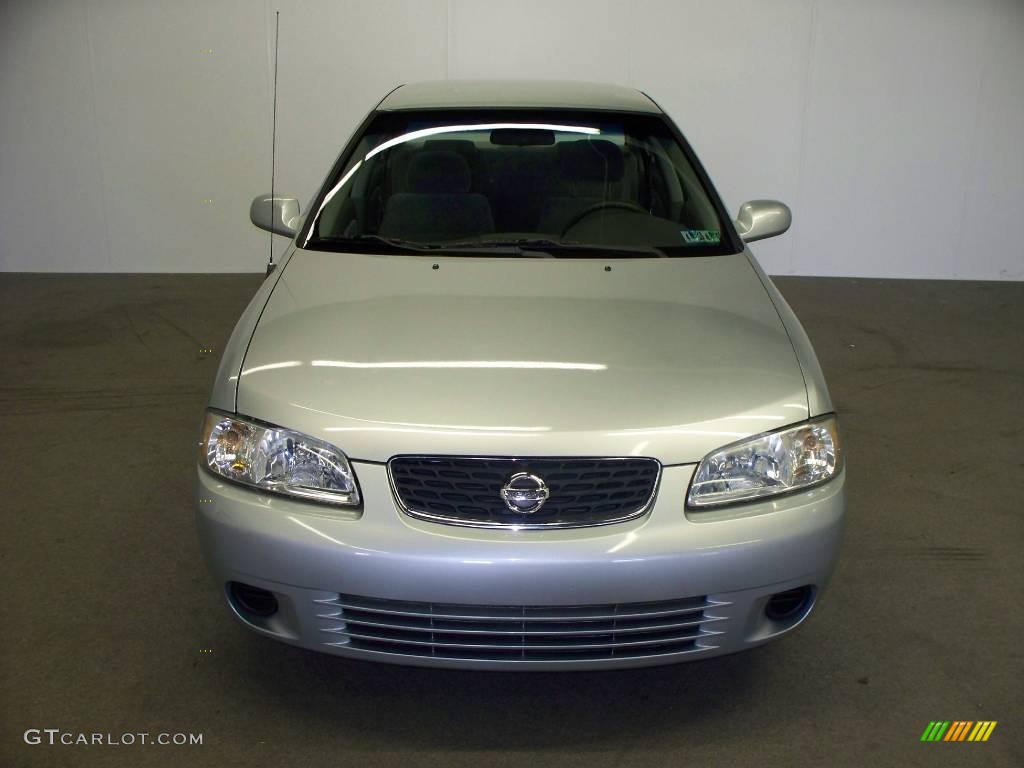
524,247
574,249
505,248
395,242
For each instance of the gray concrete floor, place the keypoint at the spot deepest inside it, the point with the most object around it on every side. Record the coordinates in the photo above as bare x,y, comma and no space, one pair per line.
107,604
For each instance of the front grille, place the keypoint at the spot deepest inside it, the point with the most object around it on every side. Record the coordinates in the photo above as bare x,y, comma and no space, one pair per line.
467,491
519,633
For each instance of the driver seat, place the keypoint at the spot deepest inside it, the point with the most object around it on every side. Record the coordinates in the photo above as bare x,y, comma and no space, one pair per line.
591,172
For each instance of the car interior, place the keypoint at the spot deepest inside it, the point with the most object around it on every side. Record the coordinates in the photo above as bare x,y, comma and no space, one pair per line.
572,189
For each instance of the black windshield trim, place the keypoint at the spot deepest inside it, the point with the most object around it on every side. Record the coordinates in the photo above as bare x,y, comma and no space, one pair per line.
583,253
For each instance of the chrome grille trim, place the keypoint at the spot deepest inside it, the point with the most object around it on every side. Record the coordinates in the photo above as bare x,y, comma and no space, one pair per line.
517,632
523,522
521,633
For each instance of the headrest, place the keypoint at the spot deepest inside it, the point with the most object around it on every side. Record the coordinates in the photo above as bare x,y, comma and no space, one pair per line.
441,171
590,160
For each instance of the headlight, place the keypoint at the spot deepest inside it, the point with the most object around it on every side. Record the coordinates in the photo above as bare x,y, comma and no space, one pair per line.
791,459
276,460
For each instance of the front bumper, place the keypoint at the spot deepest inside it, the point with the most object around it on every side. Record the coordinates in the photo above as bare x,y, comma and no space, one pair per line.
307,555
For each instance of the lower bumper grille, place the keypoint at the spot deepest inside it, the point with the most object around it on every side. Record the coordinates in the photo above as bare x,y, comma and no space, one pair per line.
520,633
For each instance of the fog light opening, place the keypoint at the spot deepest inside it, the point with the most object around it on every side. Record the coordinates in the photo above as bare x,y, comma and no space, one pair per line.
788,604
253,600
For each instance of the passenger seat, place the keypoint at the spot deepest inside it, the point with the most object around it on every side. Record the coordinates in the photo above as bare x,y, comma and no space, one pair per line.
439,204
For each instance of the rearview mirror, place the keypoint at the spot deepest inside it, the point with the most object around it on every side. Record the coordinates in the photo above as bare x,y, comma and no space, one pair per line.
279,215
522,137
759,219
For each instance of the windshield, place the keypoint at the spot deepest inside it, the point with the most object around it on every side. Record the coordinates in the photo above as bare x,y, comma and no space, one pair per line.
549,183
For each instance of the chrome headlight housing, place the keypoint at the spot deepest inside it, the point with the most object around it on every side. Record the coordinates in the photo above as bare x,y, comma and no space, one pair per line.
790,459
278,460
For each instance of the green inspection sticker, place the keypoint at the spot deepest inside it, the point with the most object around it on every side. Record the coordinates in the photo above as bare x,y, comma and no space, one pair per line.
701,236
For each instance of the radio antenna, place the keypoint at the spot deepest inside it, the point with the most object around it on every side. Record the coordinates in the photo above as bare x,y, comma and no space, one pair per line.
273,137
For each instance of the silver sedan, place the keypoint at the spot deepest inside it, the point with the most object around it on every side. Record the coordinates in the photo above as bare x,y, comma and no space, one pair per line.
518,396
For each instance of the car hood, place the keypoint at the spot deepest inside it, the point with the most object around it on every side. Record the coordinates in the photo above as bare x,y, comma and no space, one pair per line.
383,355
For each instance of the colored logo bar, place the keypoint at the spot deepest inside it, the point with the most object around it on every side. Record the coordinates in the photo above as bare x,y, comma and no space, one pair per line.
958,730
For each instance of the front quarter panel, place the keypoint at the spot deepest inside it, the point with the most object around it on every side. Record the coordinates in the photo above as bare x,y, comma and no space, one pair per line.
818,399
225,384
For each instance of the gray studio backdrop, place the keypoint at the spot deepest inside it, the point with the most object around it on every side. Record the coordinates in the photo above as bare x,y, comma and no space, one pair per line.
133,134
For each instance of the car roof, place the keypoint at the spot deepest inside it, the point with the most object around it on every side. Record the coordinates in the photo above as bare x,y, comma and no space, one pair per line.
530,94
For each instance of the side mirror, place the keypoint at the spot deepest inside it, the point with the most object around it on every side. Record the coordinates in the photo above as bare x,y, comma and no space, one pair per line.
759,219
279,215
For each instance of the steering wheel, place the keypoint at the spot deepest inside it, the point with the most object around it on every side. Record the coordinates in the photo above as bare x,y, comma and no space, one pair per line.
619,204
